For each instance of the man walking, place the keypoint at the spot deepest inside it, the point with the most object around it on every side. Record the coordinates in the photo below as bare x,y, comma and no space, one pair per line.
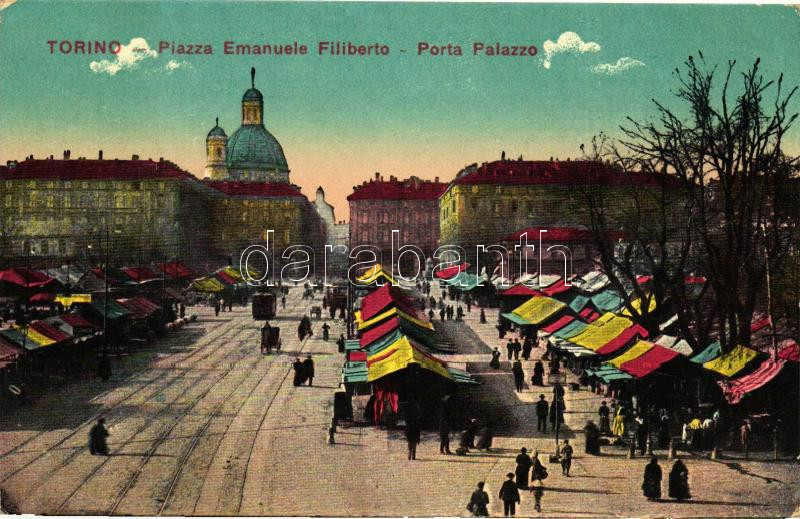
605,423
308,369
444,435
97,438
519,375
523,467
541,414
566,458
413,438
517,349
509,494
510,349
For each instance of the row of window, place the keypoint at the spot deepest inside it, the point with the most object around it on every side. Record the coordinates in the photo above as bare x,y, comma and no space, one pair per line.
85,184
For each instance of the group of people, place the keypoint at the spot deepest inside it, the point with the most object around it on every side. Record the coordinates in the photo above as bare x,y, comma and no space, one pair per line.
678,481
220,304
303,371
516,349
304,328
475,436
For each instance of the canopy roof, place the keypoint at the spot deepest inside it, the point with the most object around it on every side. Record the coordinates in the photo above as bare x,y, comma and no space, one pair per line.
8,350
712,351
374,274
210,285
140,274
384,297
671,342
622,339
735,390
465,281
789,350
649,361
557,288
421,321
25,278
732,362
572,329
175,269
594,281
520,289
607,300
634,352
608,373
399,355
139,306
575,300
537,309
449,272
115,311
637,305
558,324
50,332
598,336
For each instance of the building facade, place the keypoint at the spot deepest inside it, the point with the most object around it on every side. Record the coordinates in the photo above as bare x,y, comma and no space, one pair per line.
409,206
80,209
337,233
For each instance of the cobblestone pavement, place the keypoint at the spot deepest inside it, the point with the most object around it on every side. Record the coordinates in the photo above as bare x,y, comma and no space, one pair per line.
203,424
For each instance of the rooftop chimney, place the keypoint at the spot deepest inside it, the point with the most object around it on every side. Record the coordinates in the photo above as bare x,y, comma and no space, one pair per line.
100,155
134,157
436,179
377,176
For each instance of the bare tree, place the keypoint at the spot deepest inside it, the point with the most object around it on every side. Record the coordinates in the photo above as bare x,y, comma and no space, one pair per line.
726,149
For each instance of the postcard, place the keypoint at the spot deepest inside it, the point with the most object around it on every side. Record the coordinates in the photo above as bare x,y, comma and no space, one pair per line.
369,259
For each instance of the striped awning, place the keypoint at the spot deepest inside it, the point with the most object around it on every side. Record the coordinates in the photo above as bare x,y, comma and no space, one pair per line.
735,390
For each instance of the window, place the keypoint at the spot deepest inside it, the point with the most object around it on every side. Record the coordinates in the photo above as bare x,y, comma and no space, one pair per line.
513,206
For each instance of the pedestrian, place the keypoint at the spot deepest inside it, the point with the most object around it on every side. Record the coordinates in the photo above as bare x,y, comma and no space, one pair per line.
542,409
468,301
298,372
460,314
510,349
265,339
509,494
413,438
537,489
485,437
216,307
519,375
538,374
444,435
182,312
679,481
230,304
283,301
618,427
527,346
566,458
308,369
495,362
467,441
97,438
744,438
517,349
592,438
442,314
483,317
605,424
479,502
430,315
523,467
651,486
325,332
557,409
641,434
104,367
340,343
538,471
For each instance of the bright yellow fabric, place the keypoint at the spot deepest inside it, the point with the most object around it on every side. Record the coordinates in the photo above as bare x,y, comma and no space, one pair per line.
603,319
598,336
399,355
68,301
389,313
537,309
637,305
732,362
207,285
635,351
34,336
374,273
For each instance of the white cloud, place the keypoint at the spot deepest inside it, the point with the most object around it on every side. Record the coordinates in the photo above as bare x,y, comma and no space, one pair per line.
173,65
568,42
621,65
128,58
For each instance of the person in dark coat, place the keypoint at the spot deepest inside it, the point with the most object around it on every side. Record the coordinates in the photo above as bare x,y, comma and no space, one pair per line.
308,369
557,409
479,502
510,349
468,436
444,435
104,368
283,301
538,374
517,349
679,481
460,314
527,346
542,409
495,362
566,457
509,494
485,437
413,438
340,343
326,332
605,423
651,486
519,375
592,435
442,314
523,467
298,372
216,307
430,315
483,317
97,438
182,311
538,471
641,434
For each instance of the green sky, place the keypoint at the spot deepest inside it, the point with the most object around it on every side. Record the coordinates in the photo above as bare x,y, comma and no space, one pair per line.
340,119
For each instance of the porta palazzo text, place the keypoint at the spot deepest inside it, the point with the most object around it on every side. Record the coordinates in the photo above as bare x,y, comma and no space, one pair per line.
329,48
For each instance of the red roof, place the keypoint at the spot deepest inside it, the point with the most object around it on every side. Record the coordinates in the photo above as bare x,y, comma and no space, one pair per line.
553,234
376,332
574,172
558,324
653,359
8,350
140,274
790,350
384,297
451,271
140,306
398,190
622,339
75,320
175,269
736,389
521,289
557,288
49,331
254,188
25,277
93,170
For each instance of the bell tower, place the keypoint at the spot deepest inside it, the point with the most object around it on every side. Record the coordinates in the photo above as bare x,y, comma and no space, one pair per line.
216,148
252,103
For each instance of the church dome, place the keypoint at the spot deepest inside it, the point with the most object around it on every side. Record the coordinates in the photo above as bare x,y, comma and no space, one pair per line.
216,131
253,94
253,147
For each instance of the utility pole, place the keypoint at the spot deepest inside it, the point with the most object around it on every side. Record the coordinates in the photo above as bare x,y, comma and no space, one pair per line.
105,301
770,310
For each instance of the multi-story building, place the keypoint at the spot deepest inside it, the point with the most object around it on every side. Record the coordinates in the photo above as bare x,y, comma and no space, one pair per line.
337,233
81,209
410,206
485,204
